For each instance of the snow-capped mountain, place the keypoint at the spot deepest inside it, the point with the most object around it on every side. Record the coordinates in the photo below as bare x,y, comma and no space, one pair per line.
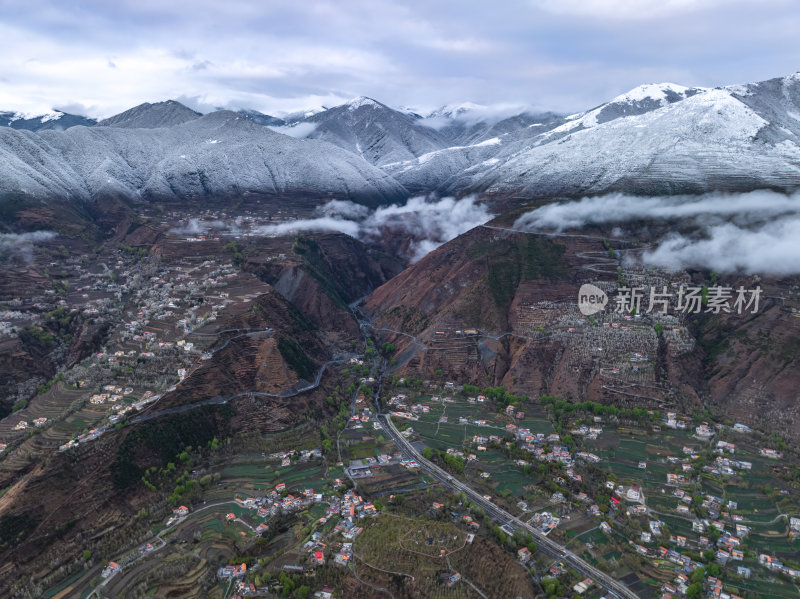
220,154
381,135
151,116
739,137
55,119
658,138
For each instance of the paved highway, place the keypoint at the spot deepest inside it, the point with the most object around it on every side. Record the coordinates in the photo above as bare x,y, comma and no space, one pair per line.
613,587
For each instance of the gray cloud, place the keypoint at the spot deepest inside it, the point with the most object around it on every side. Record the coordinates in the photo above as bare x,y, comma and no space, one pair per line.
283,56
750,233
470,114
770,248
20,245
621,208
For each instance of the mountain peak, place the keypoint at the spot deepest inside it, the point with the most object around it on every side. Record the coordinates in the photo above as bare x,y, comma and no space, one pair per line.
38,121
362,101
659,92
453,110
151,116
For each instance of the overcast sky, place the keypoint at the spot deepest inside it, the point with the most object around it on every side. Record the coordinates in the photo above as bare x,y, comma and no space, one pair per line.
99,58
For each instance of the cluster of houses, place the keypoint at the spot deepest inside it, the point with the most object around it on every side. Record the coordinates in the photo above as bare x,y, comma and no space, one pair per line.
232,571
535,443
726,466
717,507
23,425
401,409
6,328
120,410
512,411
287,456
794,528
728,546
712,586
353,506
178,514
775,565
704,432
674,421
344,555
90,435
363,468
629,494
350,508
589,432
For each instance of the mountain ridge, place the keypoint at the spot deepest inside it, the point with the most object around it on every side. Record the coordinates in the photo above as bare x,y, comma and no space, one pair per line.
221,153
654,139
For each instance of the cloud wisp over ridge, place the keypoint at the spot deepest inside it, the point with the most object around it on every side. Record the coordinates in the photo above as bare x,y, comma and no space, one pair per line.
745,233
427,222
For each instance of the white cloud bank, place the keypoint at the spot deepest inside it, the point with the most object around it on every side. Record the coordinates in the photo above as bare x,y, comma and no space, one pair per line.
773,248
298,130
748,233
429,223
20,245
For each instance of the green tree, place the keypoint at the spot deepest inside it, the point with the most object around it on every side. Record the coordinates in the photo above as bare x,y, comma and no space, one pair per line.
302,592
694,590
551,586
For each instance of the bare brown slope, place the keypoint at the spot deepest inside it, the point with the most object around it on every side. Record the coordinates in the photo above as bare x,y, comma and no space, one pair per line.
518,292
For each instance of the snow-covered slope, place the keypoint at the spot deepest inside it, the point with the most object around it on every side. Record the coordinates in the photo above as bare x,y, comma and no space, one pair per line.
150,116
261,118
712,139
468,123
220,154
55,119
656,138
370,129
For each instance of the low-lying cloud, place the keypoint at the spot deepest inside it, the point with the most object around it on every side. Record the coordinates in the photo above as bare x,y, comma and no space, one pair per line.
472,114
773,248
199,226
747,233
298,130
428,223
20,245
